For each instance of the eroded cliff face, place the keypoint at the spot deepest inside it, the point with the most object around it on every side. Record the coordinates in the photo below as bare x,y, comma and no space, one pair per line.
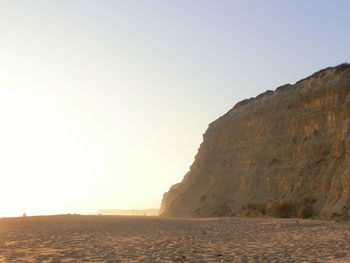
287,149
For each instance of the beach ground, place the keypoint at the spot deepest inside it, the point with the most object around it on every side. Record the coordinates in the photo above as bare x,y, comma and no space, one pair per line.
77,238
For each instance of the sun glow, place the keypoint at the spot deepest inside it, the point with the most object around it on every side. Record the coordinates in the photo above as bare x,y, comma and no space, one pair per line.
42,164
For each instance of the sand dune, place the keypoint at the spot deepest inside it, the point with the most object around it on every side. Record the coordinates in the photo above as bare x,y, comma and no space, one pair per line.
152,239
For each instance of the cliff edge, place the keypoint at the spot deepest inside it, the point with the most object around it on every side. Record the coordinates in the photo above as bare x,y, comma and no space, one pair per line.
284,153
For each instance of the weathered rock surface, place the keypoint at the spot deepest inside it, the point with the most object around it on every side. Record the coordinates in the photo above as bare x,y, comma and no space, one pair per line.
285,152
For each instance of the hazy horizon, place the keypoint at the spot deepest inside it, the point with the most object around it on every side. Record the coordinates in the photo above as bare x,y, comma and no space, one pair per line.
104,103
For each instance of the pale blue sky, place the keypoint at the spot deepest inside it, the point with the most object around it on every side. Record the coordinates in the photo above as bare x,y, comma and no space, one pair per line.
104,103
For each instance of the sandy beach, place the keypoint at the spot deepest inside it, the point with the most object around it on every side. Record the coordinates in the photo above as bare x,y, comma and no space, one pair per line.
74,238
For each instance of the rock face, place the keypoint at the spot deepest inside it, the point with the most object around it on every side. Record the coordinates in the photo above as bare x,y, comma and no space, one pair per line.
285,153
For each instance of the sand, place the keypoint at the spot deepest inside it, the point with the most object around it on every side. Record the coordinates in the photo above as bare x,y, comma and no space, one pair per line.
151,239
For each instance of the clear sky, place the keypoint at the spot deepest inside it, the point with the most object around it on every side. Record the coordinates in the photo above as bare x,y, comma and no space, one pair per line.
103,103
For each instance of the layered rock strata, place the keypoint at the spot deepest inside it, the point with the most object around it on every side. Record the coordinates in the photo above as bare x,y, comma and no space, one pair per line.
285,153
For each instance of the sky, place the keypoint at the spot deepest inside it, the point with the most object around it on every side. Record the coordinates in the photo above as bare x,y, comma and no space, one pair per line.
103,103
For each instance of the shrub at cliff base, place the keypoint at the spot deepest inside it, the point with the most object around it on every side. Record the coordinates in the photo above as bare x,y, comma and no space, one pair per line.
286,209
223,210
283,208
305,211
304,206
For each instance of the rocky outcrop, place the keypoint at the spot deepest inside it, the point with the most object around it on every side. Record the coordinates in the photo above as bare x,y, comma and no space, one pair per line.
285,153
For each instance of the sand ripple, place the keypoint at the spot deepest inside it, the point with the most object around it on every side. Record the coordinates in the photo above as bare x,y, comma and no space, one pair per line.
149,239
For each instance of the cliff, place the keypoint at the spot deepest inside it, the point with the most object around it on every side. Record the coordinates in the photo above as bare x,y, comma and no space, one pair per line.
284,153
